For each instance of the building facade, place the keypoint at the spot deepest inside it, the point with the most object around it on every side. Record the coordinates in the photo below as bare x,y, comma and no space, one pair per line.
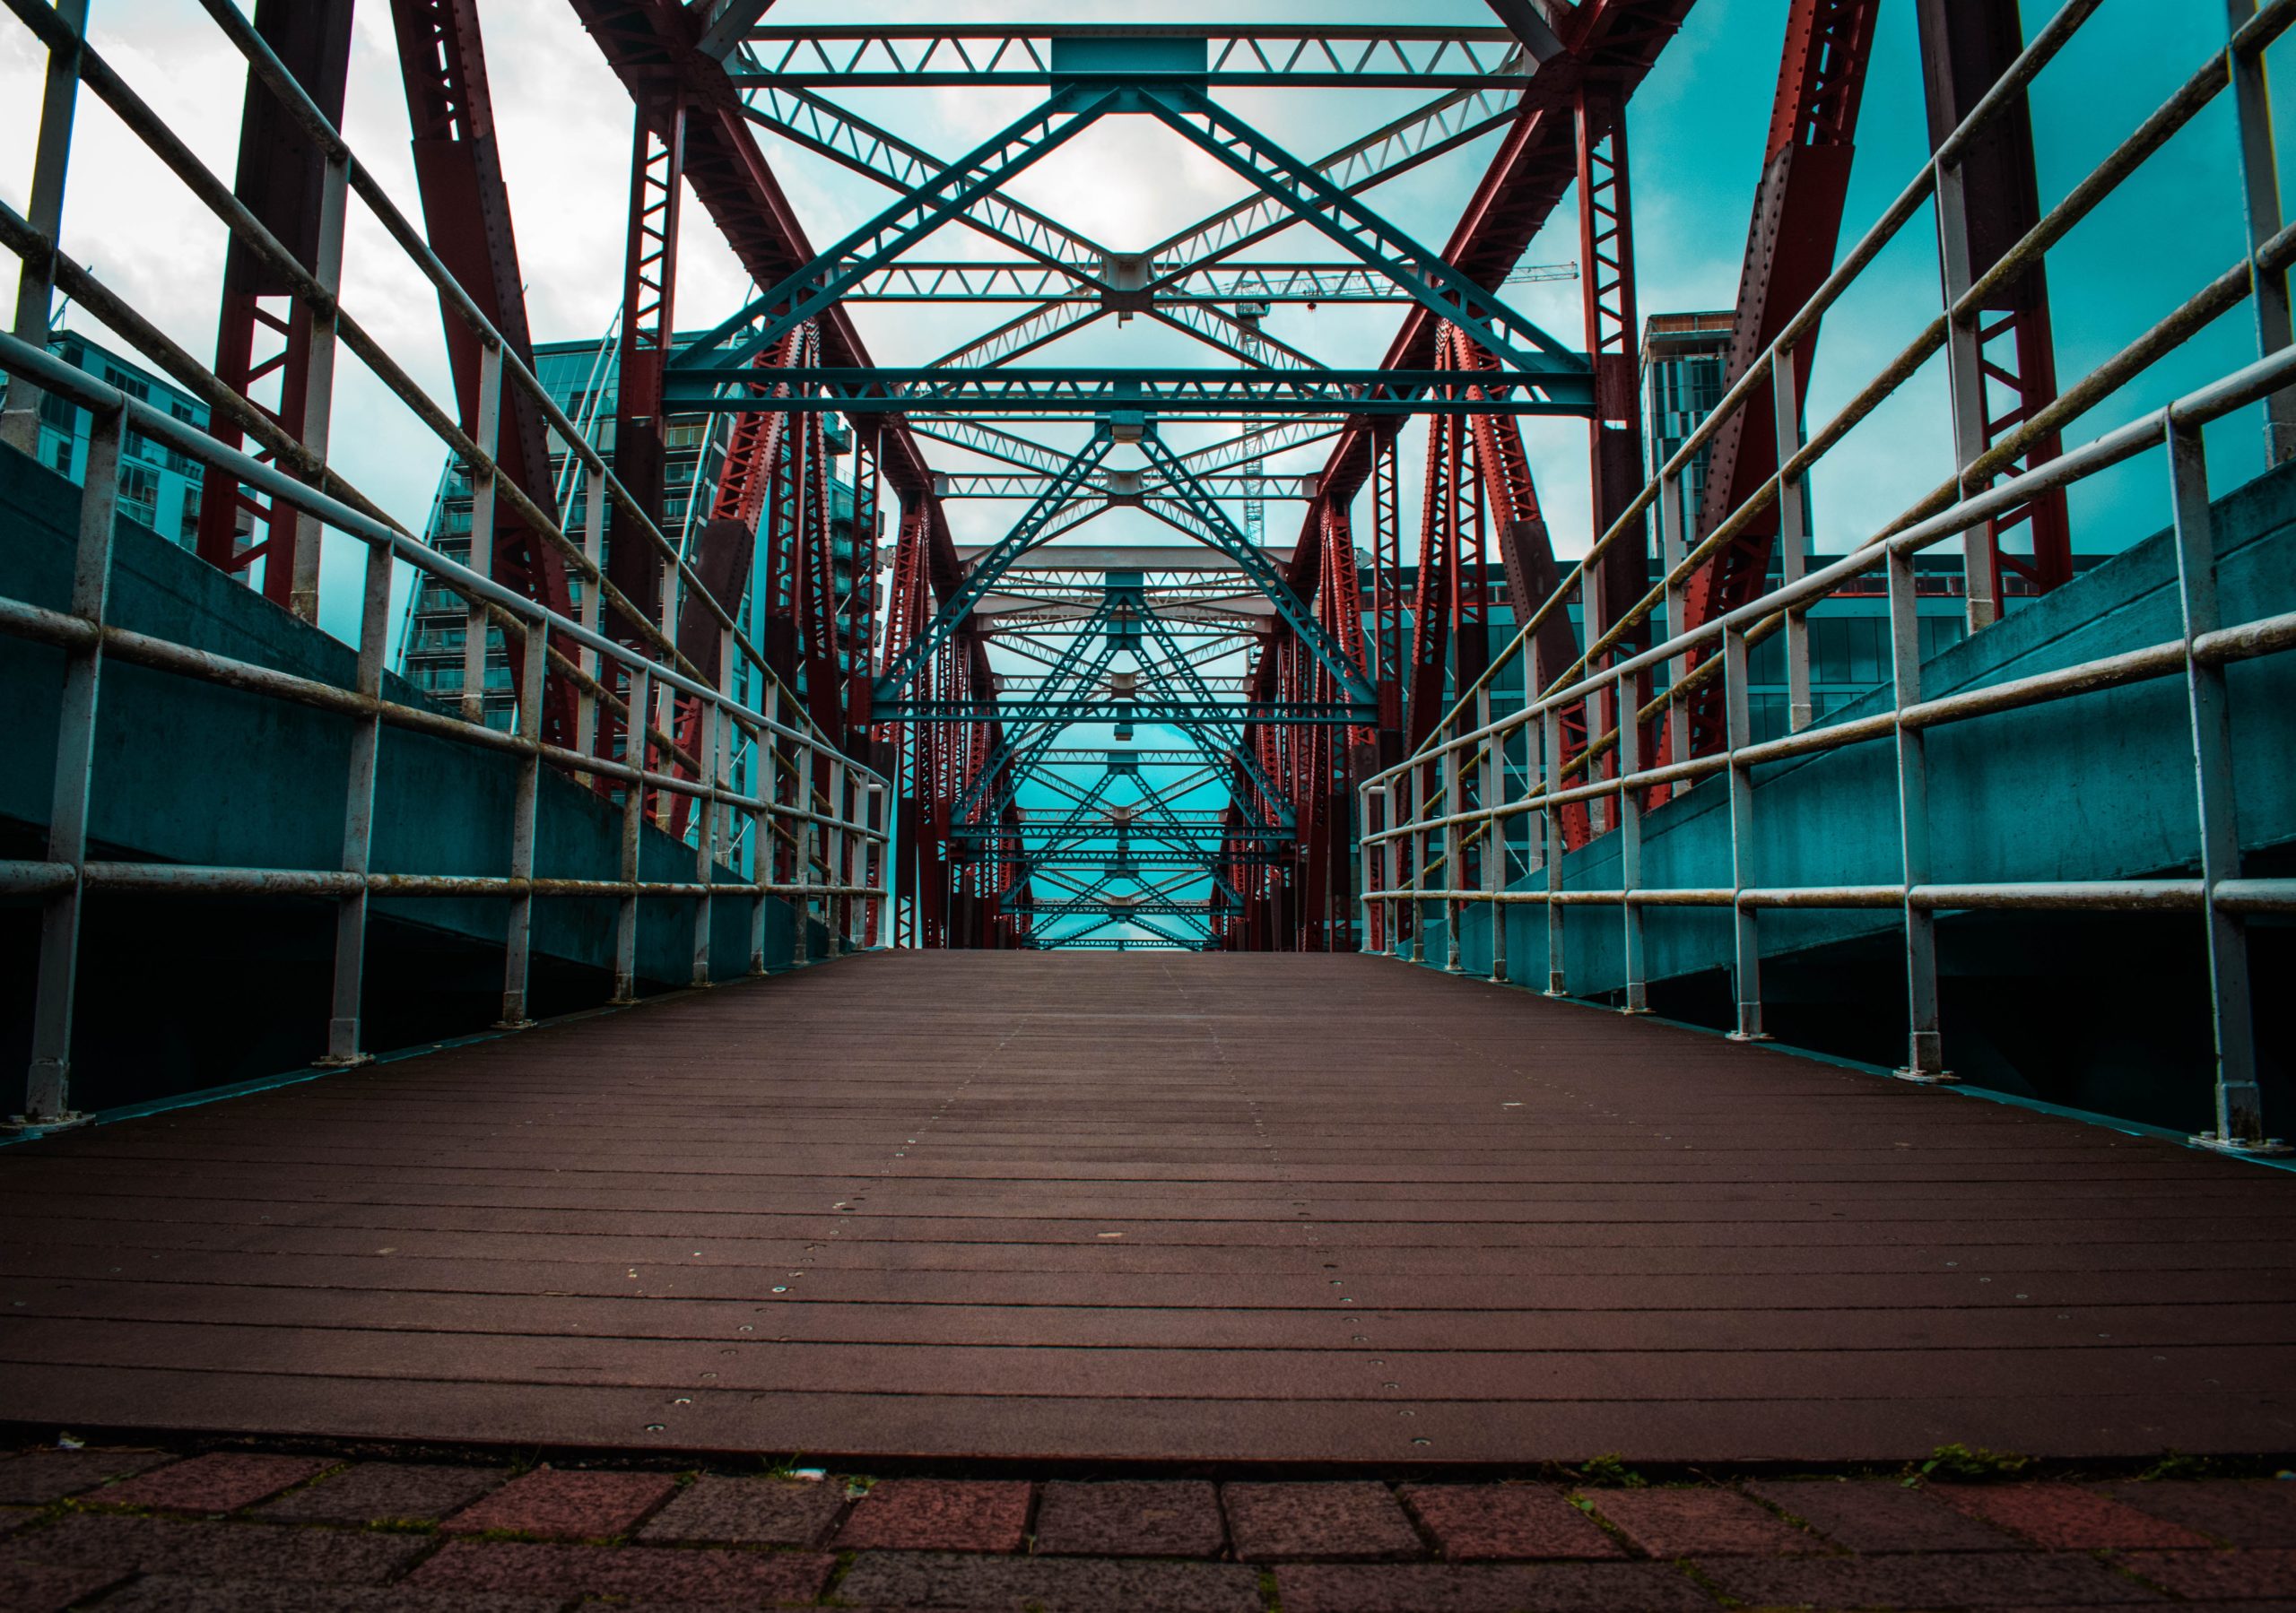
159,488
582,378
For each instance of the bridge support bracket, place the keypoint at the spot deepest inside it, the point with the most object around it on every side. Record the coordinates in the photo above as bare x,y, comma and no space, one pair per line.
2257,1147
22,1128
1927,1077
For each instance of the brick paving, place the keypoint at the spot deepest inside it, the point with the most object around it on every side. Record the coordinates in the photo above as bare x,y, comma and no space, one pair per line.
242,1532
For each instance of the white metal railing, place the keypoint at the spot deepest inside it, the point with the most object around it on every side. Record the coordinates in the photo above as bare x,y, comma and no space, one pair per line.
1423,840
817,820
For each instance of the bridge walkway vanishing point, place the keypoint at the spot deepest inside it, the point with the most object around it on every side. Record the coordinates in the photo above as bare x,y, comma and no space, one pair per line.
1250,1207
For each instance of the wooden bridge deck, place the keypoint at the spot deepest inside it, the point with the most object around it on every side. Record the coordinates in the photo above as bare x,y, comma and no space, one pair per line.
1100,1208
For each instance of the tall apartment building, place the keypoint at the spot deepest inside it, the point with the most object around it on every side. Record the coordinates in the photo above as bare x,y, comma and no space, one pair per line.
159,488
582,378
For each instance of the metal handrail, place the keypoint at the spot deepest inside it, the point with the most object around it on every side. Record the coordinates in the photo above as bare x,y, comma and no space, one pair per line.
1420,807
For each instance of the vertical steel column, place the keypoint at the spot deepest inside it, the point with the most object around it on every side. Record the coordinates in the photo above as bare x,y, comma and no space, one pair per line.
634,746
344,1036
47,1086
1792,540
1747,951
1925,1047
1629,846
36,286
2260,194
519,948
2240,1107
487,434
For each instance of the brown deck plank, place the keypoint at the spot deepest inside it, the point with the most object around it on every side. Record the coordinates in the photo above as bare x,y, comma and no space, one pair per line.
1555,1231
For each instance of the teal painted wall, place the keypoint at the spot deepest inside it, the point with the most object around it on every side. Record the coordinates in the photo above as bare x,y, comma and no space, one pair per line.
190,772
2097,787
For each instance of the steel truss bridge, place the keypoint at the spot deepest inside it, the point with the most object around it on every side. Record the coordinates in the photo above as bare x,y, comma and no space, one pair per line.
1341,749
373,1087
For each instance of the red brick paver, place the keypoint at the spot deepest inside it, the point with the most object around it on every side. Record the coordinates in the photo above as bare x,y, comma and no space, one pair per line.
1700,1522
384,1492
561,1504
47,1587
894,1579
1172,1518
2256,1512
1289,1523
37,1477
1461,1588
2217,1576
2065,1517
518,1568
213,1550
1497,1521
2024,1579
175,1593
748,1511
223,1481
939,1514
1880,1514
1118,1546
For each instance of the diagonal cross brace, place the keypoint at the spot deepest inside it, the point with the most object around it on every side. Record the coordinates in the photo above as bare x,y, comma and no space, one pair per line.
1352,224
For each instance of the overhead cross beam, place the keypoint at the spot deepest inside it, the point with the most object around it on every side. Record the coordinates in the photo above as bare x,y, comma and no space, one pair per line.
1245,56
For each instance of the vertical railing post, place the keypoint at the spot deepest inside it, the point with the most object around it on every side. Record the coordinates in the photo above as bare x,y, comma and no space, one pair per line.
1453,763
343,1048
1965,389
2239,1104
1366,849
47,1085
2260,194
1670,556
1550,841
708,774
1793,539
1747,951
1924,1046
1630,844
44,212
594,543
518,937
634,729
763,779
1418,863
318,391
1391,849
1494,834
801,899
487,435
833,910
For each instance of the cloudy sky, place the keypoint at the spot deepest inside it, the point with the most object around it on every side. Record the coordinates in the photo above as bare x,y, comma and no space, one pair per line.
1697,127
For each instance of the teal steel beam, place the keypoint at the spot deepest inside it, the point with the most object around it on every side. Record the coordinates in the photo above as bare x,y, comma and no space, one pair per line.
1244,55
916,214
1311,197
693,386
